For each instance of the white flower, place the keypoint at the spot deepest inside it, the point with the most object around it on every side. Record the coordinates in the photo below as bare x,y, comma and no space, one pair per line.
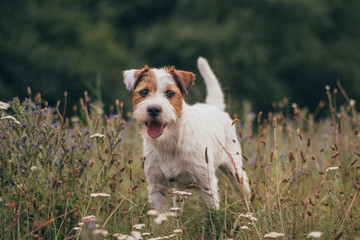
244,227
183,193
104,233
87,219
152,212
4,106
139,226
33,168
331,169
274,235
160,218
76,228
136,235
97,135
314,235
294,105
174,209
352,102
146,234
99,195
327,87
249,216
11,118
120,236
177,231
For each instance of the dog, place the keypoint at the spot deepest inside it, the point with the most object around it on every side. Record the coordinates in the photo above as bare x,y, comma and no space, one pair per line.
184,145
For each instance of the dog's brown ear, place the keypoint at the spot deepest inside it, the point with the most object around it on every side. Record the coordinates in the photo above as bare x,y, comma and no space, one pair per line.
183,79
132,77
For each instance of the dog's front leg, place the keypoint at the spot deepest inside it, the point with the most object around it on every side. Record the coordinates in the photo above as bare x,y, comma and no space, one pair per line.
157,197
209,191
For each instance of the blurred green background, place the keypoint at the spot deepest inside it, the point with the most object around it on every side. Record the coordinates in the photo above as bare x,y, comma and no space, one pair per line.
261,51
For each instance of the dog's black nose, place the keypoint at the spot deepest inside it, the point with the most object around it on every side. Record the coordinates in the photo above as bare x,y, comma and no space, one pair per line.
154,111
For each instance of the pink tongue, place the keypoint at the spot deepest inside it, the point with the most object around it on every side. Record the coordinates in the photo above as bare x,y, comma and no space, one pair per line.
154,129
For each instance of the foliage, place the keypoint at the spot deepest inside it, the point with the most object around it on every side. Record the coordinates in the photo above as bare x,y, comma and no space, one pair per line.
84,178
258,48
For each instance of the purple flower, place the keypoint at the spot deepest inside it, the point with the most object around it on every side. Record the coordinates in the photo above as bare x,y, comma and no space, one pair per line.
25,138
25,125
111,144
86,163
62,165
88,146
10,102
88,131
36,112
56,163
22,145
27,100
121,139
68,150
72,146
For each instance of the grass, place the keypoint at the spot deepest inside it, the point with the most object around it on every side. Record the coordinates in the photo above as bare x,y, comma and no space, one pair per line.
304,177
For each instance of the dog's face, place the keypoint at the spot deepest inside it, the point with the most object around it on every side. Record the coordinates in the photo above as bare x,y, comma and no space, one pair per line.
158,96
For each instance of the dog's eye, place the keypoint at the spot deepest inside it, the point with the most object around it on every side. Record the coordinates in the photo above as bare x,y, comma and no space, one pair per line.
143,93
169,94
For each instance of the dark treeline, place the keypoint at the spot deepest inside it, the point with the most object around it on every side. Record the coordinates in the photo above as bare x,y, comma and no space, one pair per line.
261,51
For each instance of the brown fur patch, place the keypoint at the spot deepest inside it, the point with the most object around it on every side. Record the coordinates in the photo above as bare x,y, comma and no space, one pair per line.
177,100
146,80
183,79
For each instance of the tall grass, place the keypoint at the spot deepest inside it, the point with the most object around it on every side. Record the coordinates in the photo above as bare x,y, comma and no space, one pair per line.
82,178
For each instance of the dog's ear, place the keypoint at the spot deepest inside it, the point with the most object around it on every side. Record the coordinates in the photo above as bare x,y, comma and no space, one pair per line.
133,76
183,79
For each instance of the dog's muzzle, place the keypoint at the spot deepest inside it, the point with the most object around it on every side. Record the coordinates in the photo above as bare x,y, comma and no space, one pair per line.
154,127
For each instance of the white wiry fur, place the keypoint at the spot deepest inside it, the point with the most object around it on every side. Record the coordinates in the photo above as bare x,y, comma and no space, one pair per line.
177,158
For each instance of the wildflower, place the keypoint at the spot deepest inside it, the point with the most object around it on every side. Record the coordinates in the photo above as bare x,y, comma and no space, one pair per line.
314,235
146,234
136,234
77,228
99,195
244,227
33,168
294,105
174,209
177,231
352,102
120,236
4,106
11,118
273,235
327,87
104,233
183,193
249,216
160,218
329,169
139,226
88,218
152,212
97,135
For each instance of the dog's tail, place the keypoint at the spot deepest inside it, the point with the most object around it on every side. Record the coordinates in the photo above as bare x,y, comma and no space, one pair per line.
215,95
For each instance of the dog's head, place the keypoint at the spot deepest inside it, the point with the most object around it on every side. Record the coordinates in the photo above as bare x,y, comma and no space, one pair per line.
158,96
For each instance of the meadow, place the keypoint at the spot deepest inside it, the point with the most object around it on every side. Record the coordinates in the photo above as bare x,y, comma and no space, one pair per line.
81,176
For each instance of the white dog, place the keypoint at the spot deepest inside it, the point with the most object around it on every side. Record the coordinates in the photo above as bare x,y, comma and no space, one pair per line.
176,135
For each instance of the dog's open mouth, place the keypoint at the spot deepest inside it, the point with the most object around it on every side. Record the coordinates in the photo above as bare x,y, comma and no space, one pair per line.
154,128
